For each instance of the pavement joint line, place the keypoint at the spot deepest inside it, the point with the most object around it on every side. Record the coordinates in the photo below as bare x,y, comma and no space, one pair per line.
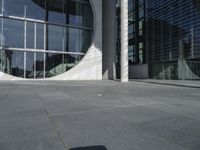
72,113
94,110
105,109
136,124
53,123
132,123
5,96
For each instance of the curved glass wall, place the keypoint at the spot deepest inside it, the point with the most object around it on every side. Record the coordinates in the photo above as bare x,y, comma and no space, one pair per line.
43,38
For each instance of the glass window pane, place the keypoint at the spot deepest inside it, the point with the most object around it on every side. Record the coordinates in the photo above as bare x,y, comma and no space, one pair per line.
30,65
70,61
80,13
55,38
0,6
1,36
35,9
74,13
55,11
13,33
13,8
86,40
30,35
40,36
86,16
14,63
39,65
74,40
54,64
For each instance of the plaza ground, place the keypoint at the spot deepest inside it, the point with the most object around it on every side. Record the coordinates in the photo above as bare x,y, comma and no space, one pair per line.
105,115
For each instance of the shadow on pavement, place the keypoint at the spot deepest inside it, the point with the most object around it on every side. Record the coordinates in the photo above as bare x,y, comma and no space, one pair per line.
99,147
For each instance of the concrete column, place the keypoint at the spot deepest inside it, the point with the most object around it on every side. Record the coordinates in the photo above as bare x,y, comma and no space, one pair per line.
124,41
109,39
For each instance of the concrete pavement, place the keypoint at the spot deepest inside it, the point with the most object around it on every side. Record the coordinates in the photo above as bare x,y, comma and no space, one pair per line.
98,115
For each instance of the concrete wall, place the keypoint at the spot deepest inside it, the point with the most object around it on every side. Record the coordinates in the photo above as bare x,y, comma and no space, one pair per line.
109,36
90,67
139,71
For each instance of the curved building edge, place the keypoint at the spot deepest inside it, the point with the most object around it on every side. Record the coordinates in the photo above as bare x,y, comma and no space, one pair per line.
90,67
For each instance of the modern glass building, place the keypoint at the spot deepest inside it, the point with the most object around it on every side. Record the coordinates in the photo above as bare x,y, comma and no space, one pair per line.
43,38
86,39
165,38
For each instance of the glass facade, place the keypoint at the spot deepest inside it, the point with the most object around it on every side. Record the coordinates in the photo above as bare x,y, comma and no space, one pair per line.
43,38
136,32
173,38
165,35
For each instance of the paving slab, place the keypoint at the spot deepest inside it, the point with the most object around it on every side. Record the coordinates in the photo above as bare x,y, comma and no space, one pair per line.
98,115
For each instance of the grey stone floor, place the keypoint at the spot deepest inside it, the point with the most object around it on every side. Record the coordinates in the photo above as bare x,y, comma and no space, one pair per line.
98,115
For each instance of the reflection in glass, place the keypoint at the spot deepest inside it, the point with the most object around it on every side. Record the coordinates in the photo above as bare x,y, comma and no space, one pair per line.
78,40
1,36
75,40
13,33
30,65
39,36
35,9
13,8
1,7
30,31
54,64
86,15
55,38
74,13
86,40
80,14
14,63
173,38
47,25
70,61
39,65
56,12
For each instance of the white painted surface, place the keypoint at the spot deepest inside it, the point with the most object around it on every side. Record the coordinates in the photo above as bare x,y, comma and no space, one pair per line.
124,40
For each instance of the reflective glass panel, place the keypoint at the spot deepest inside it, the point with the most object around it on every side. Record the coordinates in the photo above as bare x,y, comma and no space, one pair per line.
39,65
13,33
14,63
54,64
74,40
30,65
86,40
35,9
55,11
55,38
40,36
74,13
0,6
86,17
14,8
30,31
71,61
54,25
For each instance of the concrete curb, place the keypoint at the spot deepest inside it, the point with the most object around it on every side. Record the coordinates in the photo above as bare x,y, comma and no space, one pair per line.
186,85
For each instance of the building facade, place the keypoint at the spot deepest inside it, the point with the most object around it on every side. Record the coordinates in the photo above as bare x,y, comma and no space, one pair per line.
51,39
81,39
165,39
